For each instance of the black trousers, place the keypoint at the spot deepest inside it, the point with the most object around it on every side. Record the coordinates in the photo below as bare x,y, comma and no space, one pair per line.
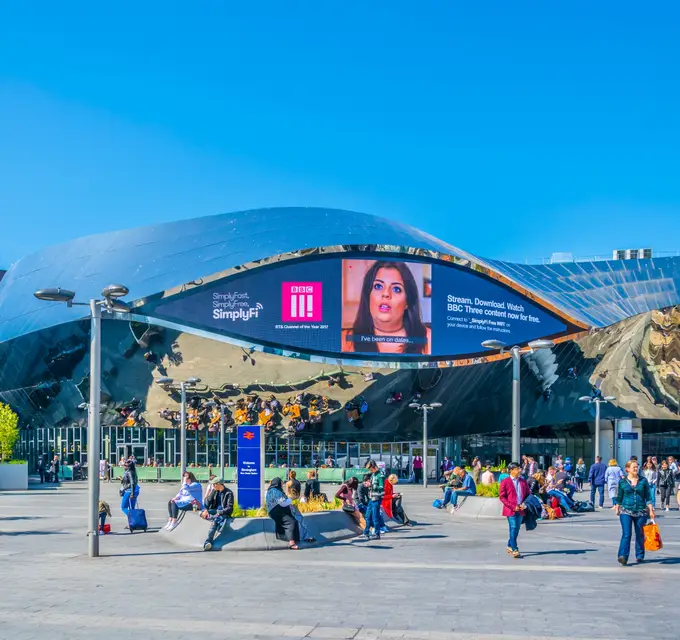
666,495
173,509
398,511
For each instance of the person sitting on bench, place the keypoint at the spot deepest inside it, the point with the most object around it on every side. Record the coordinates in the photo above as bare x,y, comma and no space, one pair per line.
189,495
218,508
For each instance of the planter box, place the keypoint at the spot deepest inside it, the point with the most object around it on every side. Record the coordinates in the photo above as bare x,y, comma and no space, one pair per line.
13,477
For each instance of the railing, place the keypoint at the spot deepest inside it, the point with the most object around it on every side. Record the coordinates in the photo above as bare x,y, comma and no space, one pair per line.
173,474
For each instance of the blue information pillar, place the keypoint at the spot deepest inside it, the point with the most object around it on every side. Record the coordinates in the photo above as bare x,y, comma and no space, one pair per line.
250,476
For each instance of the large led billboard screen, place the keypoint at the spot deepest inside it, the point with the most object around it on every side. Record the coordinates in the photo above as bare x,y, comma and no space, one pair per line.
377,307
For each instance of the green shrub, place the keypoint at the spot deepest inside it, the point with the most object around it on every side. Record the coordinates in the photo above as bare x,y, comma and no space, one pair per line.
9,431
15,462
488,490
313,506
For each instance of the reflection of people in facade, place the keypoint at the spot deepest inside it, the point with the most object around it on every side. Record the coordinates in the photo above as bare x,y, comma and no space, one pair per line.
389,307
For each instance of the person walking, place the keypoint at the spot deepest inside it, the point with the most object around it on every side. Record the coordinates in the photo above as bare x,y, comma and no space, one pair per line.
512,493
633,504
666,485
652,476
129,488
377,492
597,481
580,474
611,478
417,469
41,468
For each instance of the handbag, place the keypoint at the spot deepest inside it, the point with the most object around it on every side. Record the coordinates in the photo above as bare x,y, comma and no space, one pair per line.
348,508
653,540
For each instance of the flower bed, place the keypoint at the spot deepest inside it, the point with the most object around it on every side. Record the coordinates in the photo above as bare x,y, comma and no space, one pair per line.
487,490
313,506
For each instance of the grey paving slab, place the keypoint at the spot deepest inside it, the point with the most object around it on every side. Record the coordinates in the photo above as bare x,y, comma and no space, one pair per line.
445,578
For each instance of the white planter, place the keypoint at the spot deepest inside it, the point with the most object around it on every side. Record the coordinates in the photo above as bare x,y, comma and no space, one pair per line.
13,477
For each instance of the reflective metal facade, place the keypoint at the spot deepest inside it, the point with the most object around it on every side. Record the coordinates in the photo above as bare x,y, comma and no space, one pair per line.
152,259
601,293
43,346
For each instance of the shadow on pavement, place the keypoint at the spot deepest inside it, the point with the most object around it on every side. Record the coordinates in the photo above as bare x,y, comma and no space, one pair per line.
33,533
151,553
562,552
358,544
660,561
125,532
22,518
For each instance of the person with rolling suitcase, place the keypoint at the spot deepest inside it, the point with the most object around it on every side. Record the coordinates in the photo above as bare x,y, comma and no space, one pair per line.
129,492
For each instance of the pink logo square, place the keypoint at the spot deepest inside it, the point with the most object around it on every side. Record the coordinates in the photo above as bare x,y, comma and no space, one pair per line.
301,302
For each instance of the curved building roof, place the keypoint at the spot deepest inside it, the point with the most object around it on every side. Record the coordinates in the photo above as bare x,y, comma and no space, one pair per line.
152,259
156,258
604,292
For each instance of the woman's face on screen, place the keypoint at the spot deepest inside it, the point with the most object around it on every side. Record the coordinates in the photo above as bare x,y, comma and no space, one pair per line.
388,300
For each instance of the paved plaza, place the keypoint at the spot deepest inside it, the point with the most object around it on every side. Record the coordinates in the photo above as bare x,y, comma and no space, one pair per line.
447,578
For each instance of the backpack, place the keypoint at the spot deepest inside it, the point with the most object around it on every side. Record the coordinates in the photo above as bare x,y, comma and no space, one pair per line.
583,507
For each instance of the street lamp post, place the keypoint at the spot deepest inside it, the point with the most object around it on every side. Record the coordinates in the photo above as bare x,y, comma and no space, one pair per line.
110,303
516,353
425,408
183,386
597,402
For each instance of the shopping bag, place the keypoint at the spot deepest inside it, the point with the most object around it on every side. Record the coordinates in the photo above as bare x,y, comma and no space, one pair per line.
652,537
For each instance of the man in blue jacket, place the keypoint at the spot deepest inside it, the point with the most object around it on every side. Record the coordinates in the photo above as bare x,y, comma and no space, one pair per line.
596,479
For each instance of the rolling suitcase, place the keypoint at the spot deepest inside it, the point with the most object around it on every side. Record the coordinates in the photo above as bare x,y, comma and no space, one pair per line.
137,520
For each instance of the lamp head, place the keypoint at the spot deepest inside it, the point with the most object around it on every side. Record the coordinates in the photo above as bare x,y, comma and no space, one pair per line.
585,398
115,291
414,405
118,306
55,295
493,344
541,344
164,380
193,381
435,405
609,398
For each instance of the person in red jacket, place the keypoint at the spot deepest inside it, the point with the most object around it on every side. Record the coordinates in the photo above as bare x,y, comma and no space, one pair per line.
512,493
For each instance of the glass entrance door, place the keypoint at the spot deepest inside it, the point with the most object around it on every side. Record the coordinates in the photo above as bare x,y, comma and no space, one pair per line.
416,449
136,450
170,452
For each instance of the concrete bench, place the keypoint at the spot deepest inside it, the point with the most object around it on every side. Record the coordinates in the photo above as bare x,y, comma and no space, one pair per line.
258,534
478,507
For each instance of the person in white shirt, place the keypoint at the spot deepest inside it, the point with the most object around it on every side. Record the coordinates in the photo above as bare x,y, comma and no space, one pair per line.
488,476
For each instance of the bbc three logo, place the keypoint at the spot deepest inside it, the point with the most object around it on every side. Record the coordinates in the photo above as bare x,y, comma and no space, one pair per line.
301,302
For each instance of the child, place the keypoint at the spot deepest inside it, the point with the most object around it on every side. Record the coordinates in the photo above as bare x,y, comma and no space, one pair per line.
104,510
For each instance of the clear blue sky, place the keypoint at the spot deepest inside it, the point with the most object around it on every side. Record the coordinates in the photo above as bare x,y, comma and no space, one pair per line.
510,129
